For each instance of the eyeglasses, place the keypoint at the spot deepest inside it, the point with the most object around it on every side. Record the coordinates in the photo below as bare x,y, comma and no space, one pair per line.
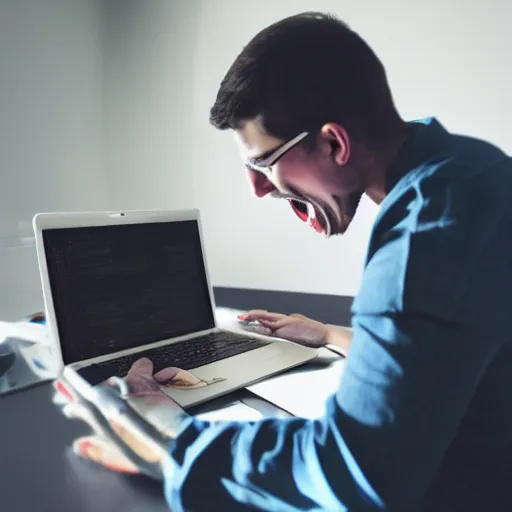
264,163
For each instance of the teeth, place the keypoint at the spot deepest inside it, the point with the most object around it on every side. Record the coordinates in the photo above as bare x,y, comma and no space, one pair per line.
311,212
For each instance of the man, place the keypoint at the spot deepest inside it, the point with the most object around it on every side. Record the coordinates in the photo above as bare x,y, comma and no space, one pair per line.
422,419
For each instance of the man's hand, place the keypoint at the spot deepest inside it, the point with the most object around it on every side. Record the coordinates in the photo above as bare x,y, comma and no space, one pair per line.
300,329
145,394
100,450
296,327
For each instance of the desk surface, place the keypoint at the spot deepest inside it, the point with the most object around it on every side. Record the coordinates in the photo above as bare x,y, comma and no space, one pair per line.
40,472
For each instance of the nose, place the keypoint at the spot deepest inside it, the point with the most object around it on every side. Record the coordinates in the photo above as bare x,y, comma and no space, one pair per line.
260,184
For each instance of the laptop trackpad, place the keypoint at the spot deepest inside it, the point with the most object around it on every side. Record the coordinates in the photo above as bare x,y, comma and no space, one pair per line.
240,371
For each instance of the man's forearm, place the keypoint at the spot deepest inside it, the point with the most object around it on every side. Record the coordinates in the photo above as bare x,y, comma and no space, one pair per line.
340,337
274,464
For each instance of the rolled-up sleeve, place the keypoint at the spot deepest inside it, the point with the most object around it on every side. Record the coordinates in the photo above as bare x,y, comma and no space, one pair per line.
413,369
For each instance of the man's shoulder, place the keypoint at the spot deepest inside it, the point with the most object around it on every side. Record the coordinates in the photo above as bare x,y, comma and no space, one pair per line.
444,236
476,153
467,177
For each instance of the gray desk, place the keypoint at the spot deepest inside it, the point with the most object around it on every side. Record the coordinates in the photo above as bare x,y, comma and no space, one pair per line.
40,472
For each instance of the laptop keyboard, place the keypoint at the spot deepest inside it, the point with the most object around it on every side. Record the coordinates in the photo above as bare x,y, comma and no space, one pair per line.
186,355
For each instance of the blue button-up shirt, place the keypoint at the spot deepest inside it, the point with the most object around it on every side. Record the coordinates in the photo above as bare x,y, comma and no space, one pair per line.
422,419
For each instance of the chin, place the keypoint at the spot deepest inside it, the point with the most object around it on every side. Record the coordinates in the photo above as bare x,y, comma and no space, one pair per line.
338,224
339,230
347,210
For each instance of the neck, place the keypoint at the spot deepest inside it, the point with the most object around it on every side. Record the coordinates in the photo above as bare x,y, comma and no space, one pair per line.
378,165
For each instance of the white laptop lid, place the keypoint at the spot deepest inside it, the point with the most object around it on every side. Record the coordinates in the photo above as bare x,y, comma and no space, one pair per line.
117,281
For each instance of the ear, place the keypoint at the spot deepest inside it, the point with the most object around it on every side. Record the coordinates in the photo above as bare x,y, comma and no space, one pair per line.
338,140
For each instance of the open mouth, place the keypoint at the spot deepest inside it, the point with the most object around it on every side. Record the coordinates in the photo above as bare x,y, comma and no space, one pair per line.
308,213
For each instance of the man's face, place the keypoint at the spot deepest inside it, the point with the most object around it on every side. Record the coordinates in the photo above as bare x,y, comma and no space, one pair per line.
320,185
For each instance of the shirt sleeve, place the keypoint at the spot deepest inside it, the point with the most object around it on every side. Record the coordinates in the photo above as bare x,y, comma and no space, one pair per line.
420,348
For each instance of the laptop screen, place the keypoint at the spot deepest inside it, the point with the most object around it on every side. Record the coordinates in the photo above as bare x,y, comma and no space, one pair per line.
124,286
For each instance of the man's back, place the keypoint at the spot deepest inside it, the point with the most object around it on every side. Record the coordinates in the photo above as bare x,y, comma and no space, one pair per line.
450,221
477,468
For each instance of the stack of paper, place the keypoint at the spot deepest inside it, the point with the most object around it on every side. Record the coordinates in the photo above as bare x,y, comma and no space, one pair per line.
303,392
237,411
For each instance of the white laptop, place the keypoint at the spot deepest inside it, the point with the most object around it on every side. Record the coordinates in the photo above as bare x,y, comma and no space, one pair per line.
123,285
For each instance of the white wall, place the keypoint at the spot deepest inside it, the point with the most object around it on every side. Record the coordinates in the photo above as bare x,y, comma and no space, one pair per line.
443,58
50,129
104,104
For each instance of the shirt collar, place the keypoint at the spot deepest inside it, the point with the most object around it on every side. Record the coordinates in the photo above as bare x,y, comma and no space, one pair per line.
427,139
